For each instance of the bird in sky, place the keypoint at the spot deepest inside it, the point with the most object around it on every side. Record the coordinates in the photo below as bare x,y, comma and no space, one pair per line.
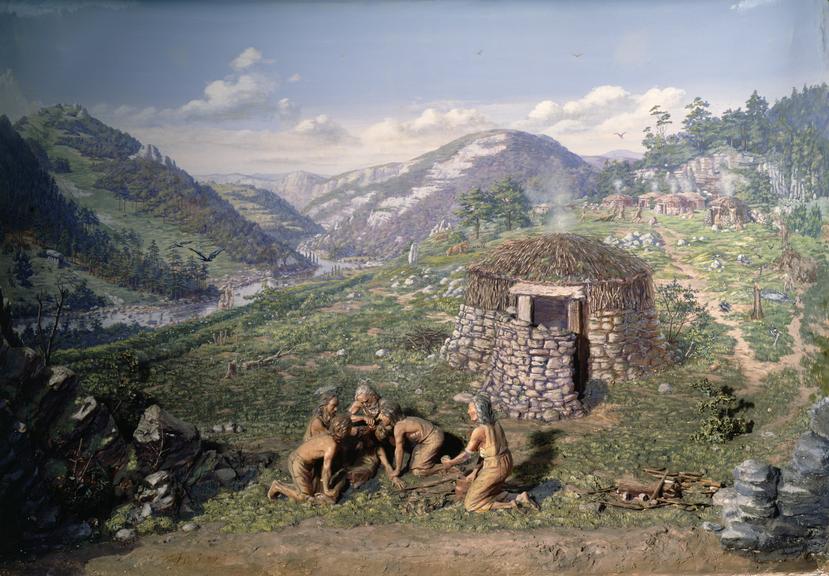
578,54
479,52
209,257
620,134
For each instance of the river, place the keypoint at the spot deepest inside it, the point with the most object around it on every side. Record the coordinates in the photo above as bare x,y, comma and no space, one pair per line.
156,315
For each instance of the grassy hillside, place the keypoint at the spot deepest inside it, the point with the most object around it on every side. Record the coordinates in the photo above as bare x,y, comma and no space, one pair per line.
330,333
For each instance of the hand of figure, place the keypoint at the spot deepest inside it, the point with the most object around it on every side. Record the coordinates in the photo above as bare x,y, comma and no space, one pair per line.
398,483
369,421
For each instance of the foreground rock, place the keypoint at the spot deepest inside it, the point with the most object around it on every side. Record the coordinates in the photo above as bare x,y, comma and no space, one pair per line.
786,512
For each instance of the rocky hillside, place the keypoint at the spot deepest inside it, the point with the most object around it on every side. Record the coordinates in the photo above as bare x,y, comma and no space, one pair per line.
299,188
274,215
379,211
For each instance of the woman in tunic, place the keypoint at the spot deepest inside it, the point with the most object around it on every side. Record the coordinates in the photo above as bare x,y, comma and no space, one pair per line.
485,484
323,413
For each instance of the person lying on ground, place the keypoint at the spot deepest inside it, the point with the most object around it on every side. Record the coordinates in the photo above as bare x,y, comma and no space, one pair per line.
483,488
306,484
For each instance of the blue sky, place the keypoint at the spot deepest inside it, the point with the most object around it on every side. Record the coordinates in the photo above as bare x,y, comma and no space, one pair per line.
271,87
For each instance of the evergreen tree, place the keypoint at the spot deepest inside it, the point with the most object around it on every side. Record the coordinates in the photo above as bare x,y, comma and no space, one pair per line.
700,125
510,203
475,207
23,270
757,123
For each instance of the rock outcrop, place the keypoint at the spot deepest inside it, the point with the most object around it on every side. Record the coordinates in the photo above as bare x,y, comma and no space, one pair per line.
782,512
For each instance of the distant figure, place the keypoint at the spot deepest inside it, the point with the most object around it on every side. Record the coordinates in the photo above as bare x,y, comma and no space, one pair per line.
301,465
638,216
226,297
652,222
484,486
323,414
425,438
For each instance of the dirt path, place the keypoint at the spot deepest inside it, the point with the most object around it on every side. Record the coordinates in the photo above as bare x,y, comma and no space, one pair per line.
310,549
753,369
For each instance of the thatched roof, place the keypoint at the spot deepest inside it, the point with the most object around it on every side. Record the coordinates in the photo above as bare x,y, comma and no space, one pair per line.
676,199
692,195
616,198
615,278
729,202
650,195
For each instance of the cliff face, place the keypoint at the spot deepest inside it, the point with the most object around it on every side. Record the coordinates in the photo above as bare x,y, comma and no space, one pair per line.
380,211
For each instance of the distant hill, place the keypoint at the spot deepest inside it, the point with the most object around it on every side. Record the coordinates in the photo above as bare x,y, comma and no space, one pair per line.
808,108
299,188
617,155
159,191
378,211
274,215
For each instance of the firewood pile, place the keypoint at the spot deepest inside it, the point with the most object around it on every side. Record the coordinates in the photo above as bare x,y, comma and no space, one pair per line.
685,490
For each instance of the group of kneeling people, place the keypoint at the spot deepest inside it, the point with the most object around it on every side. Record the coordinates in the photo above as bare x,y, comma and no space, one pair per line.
351,448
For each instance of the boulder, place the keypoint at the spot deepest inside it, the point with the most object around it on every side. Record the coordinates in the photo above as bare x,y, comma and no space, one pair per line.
819,421
163,442
160,491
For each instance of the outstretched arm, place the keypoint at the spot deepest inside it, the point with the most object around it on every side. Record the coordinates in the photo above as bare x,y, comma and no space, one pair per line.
390,472
475,441
326,471
399,445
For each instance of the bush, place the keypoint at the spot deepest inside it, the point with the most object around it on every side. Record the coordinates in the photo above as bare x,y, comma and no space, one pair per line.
718,409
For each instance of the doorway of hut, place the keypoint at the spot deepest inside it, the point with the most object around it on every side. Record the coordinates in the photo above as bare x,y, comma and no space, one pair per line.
567,313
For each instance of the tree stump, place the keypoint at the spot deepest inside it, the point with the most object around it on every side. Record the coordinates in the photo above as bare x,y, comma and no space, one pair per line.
231,370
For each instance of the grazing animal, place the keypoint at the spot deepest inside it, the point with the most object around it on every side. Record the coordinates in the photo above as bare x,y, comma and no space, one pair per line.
209,257
460,248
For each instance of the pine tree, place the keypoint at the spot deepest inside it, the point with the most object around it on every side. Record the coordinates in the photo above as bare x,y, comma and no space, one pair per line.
510,203
475,207
23,270
700,125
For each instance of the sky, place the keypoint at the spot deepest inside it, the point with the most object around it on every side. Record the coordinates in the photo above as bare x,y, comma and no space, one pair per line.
266,88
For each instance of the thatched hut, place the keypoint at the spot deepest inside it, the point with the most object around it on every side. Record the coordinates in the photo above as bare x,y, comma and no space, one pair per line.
545,314
695,199
647,200
727,211
618,202
672,205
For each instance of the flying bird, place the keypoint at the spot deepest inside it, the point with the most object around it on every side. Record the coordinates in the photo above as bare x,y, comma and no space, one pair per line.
479,52
578,54
620,134
209,257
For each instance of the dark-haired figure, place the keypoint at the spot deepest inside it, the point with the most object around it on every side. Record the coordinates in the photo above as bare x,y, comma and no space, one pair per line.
323,413
425,438
301,465
485,484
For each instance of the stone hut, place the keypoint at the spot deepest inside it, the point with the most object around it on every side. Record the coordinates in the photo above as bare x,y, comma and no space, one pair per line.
545,314
673,205
618,202
647,200
696,200
56,258
727,211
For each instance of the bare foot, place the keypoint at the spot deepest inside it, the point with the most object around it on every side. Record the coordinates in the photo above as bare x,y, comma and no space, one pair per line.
524,500
274,490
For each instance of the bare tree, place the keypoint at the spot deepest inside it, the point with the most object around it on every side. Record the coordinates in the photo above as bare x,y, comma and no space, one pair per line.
45,342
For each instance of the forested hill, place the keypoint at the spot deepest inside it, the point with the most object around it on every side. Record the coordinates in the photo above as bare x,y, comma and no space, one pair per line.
808,108
98,157
33,204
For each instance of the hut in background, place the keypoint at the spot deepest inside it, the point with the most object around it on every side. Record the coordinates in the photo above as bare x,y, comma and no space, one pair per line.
647,200
545,314
696,200
672,205
727,211
618,202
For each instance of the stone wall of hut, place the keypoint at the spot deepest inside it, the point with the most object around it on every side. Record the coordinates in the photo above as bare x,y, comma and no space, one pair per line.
528,370
624,344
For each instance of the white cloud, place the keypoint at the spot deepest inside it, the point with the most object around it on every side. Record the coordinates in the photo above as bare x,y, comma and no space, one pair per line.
13,103
288,110
588,124
295,77
234,97
430,123
246,59
322,128
746,5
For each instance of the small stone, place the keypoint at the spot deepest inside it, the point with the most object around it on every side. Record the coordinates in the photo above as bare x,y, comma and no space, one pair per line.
711,527
665,388
418,391
381,353
341,352
125,535
462,397
190,527
225,476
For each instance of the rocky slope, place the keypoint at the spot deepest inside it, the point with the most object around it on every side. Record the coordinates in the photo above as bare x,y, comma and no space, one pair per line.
299,188
380,210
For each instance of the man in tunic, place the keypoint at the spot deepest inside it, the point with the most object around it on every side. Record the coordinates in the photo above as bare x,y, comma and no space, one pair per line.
301,464
425,438
483,488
